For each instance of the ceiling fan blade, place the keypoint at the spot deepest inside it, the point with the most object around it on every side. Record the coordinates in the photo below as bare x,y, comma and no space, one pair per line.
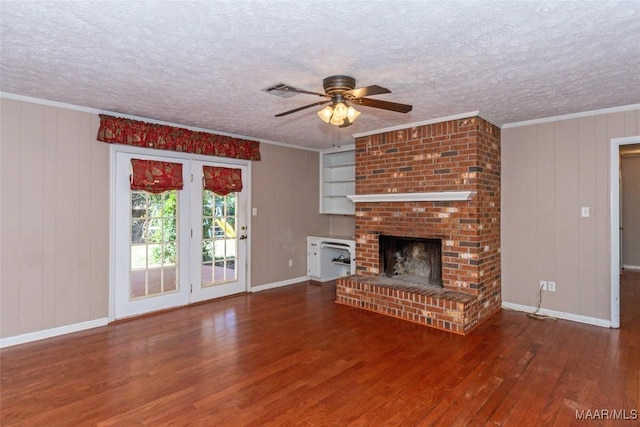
286,88
385,105
302,108
367,91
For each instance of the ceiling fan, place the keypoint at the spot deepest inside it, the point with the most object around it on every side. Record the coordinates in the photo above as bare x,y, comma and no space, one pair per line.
341,91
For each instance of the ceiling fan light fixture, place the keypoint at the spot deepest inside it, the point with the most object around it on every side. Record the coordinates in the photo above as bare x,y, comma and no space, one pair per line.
339,114
341,91
325,114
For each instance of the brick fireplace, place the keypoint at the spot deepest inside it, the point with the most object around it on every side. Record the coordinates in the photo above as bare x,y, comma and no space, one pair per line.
453,170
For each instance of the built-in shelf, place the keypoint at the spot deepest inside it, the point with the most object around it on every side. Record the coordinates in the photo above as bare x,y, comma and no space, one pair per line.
337,178
435,196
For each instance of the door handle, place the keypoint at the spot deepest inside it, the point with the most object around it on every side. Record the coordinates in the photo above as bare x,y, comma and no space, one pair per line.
243,237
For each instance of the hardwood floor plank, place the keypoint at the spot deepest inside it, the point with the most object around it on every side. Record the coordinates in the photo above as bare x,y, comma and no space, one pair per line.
292,357
542,376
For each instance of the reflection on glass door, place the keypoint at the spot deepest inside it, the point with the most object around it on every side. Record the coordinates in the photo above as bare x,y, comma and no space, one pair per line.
154,244
219,238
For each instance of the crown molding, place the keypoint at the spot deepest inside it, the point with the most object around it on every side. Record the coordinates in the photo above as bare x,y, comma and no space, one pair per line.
611,110
57,104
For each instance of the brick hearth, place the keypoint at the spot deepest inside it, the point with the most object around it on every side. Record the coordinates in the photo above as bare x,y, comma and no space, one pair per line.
456,155
429,305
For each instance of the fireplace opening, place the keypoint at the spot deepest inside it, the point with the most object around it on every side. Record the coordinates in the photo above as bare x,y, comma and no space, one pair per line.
414,260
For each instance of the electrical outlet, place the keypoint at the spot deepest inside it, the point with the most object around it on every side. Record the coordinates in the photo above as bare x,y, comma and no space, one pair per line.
551,286
543,285
290,263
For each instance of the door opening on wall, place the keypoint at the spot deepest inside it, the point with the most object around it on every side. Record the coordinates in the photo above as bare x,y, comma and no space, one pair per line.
621,148
218,243
630,206
175,246
629,225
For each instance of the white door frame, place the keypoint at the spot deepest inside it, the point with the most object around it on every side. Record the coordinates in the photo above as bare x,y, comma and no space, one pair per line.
116,148
615,224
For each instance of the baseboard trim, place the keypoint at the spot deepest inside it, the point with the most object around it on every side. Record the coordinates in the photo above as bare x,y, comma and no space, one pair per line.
558,314
53,332
631,267
279,284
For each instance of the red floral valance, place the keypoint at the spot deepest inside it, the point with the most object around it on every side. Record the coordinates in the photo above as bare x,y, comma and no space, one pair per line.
140,134
156,177
222,181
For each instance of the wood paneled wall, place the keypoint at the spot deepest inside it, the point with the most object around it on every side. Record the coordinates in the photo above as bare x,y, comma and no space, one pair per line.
285,192
54,228
549,171
54,217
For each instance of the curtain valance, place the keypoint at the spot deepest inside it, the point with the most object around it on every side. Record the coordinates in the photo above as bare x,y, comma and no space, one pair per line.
222,181
155,177
140,134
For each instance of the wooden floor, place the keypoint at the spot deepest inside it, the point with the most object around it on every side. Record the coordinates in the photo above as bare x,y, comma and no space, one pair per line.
292,357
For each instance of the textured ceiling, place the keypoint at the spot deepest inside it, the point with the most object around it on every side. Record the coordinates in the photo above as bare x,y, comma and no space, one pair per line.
204,64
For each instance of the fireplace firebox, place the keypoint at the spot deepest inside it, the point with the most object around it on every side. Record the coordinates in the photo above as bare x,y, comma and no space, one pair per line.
413,260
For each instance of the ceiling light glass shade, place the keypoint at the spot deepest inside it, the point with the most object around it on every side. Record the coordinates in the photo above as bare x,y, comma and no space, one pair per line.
352,114
340,111
326,113
339,114
335,120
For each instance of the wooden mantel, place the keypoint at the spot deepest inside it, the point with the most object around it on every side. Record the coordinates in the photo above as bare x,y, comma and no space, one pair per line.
436,196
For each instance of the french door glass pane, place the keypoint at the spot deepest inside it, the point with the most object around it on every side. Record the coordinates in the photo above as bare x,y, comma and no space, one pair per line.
154,244
219,239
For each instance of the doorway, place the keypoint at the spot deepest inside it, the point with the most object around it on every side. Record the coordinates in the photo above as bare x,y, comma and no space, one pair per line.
617,145
630,207
178,246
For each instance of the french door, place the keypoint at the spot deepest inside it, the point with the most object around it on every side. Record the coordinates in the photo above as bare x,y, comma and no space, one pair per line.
175,247
219,239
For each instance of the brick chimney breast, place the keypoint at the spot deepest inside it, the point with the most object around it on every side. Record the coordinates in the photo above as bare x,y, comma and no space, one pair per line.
451,156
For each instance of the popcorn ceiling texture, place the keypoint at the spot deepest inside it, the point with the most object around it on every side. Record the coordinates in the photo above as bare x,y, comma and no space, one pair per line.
204,64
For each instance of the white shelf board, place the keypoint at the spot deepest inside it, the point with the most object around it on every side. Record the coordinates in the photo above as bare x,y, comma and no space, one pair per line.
436,196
